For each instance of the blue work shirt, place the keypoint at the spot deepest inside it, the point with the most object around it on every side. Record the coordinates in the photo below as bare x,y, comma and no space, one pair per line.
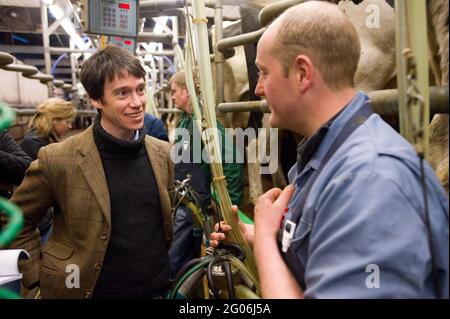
154,126
362,232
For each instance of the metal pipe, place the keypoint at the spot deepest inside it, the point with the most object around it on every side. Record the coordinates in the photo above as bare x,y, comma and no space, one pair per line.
26,70
168,110
161,80
384,102
270,12
154,37
169,4
219,58
246,38
179,59
68,87
73,62
59,83
6,58
247,106
158,53
68,50
417,35
46,43
161,4
42,77
169,13
175,30
31,112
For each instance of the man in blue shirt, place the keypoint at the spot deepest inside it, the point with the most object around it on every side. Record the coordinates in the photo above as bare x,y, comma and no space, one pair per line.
353,221
154,126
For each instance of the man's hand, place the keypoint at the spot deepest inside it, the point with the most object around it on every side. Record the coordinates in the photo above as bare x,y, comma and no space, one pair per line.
269,210
246,230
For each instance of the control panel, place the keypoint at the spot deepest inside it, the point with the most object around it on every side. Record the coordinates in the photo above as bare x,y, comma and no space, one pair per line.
110,17
126,43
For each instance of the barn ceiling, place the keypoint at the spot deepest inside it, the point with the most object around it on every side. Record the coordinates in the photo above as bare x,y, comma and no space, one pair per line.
21,32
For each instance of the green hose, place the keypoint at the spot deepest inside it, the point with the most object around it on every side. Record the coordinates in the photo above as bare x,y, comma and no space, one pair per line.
173,293
7,117
15,222
244,218
7,294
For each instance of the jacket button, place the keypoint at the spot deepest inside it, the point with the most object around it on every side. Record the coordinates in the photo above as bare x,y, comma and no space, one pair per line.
87,295
97,266
103,237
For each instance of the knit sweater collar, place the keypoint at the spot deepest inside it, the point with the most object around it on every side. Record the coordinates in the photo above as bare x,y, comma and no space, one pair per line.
106,143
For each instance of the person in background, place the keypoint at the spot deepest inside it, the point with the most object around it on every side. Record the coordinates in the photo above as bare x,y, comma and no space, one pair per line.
154,126
52,120
186,243
13,164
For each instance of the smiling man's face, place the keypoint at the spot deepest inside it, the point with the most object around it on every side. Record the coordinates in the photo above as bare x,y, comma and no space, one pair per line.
122,105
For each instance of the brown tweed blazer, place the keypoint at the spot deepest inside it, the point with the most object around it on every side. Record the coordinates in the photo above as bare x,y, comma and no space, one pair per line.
69,176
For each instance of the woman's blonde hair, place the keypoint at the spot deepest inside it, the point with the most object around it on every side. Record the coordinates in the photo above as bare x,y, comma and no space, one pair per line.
49,110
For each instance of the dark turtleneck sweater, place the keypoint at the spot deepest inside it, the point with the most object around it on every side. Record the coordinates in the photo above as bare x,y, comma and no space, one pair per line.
136,261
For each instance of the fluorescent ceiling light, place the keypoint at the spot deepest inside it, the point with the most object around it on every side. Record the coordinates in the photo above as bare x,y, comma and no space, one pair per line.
68,27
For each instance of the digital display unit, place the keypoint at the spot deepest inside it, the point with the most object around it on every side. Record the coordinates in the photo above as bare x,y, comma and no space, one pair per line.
111,17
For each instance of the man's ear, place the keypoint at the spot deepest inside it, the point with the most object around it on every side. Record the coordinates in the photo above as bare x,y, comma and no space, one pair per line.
304,71
96,103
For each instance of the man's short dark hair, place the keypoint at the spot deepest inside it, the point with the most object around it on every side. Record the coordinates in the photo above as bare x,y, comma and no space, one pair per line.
105,65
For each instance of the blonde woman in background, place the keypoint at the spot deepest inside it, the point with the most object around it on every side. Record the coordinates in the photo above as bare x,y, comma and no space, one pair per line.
53,119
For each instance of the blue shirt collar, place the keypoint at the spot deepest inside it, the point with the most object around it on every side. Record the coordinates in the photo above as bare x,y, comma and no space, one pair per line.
330,131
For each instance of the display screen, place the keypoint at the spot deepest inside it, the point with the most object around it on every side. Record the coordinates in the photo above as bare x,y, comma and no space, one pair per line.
124,6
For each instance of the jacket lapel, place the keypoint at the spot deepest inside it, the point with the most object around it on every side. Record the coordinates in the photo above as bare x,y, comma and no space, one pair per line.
158,162
92,168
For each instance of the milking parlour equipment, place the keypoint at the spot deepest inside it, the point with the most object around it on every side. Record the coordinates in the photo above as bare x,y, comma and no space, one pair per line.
7,208
229,270
220,269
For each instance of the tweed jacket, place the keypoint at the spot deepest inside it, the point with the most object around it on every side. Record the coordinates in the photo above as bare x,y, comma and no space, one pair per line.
69,176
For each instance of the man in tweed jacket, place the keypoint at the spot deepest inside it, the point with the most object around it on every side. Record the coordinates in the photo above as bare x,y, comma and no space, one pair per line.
110,188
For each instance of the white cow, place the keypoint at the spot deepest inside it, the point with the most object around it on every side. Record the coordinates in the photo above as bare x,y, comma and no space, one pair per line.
375,23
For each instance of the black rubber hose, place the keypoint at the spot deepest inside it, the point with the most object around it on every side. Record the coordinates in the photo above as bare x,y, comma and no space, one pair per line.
229,276
235,248
209,276
184,269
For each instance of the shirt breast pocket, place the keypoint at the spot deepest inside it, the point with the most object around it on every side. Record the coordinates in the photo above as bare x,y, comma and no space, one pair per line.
301,237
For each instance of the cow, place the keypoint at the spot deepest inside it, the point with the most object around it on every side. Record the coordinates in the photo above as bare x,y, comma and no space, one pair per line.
377,53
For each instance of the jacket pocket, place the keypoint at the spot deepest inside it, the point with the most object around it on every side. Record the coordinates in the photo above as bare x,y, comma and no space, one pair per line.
55,256
58,250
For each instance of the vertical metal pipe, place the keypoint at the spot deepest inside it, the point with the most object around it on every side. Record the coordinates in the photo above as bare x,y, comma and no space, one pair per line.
161,80
219,58
401,44
46,45
175,30
73,64
179,60
416,14
411,33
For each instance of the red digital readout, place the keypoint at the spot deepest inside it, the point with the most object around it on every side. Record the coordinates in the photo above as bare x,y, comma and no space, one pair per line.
127,42
125,6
